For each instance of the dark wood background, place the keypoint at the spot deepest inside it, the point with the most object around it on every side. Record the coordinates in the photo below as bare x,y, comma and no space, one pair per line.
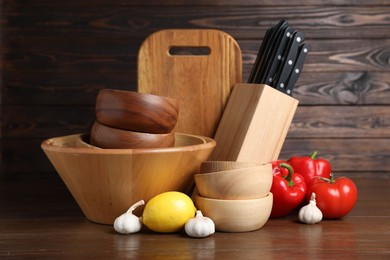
56,56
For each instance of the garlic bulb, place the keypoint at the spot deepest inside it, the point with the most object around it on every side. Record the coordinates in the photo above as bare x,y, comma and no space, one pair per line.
310,214
199,226
128,223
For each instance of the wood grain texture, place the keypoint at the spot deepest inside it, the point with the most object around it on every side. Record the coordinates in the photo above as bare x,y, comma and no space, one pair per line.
253,130
206,3
97,53
48,224
134,111
201,84
341,122
318,21
357,77
69,89
242,183
308,122
106,183
44,122
56,56
343,88
350,155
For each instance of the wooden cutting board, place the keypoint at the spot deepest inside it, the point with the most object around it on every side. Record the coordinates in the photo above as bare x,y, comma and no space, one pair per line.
196,67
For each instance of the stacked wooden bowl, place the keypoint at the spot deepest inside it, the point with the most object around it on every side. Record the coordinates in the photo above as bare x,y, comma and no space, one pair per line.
130,154
128,120
235,195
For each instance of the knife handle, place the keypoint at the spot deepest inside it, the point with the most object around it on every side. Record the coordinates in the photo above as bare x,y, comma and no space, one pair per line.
276,57
289,60
259,57
304,49
273,44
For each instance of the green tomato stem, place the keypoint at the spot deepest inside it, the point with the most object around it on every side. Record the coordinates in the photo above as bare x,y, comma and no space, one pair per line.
330,180
313,155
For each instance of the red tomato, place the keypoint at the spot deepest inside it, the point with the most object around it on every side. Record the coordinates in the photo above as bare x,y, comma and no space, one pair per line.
335,197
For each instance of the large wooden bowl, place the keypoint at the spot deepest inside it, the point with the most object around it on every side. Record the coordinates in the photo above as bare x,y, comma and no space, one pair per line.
135,111
83,142
113,138
242,183
236,215
106,182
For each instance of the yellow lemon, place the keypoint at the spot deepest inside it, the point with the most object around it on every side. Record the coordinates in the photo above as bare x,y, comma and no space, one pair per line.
168,212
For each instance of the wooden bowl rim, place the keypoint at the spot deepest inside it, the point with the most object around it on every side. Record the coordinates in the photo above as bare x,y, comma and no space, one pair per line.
137,94
238,201
105,135
49,145
221,165
238,170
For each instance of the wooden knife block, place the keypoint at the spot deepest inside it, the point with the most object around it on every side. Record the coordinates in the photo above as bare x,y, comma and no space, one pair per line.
254,124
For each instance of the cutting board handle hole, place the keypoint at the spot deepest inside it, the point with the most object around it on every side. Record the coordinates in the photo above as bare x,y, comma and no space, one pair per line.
189,51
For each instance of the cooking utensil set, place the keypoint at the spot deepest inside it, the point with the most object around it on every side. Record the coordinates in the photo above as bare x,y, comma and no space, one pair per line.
280,58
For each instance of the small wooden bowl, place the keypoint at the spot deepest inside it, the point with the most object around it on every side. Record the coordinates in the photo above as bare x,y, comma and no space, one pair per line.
112,138
106,182
236,215
237,184
135,111
217,166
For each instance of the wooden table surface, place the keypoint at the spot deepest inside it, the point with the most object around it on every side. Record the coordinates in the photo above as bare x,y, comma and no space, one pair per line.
40,219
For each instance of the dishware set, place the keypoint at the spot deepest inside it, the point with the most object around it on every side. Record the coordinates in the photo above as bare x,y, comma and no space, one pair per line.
127,119
235,195
281,57
222,139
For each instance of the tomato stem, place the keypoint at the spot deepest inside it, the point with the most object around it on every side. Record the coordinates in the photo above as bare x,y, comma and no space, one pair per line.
330,180
288,178
313,155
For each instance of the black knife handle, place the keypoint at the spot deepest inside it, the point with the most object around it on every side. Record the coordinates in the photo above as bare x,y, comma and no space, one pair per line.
304,49
289,60
271,46
276,56
259,57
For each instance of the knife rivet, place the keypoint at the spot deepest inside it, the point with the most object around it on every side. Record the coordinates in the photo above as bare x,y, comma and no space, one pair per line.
281,85
270,79
305,50
288,34
279,57
288,91
299,39
297,71
290,62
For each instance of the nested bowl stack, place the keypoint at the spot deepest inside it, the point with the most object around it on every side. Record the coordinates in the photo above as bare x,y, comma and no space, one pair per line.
106,182
130,154
129,120
235,195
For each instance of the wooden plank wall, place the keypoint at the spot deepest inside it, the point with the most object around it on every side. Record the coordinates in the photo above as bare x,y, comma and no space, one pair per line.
56,55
